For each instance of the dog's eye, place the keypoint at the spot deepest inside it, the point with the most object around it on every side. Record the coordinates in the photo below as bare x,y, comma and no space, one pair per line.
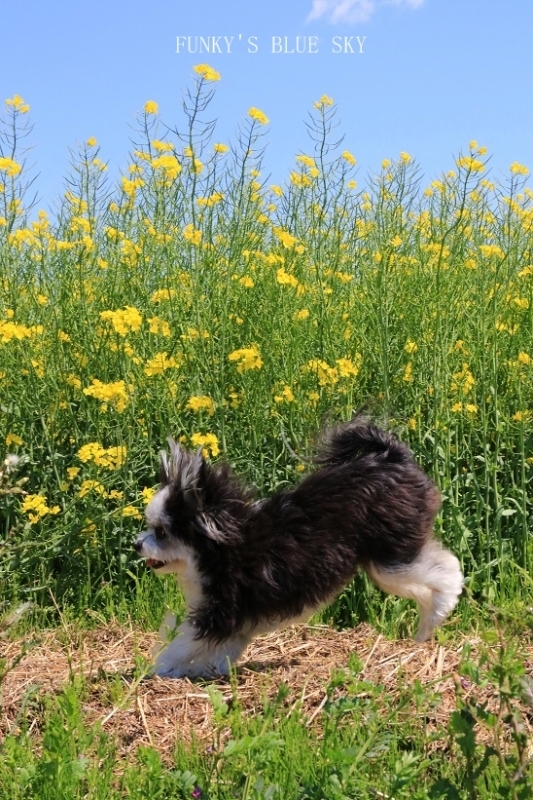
159,532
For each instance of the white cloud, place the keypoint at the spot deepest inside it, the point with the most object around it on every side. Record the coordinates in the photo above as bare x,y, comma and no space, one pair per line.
353,10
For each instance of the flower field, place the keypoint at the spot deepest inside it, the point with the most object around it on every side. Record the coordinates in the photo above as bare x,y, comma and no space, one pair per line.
193,297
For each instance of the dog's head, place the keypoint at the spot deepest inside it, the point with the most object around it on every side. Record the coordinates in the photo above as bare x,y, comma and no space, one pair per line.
197,507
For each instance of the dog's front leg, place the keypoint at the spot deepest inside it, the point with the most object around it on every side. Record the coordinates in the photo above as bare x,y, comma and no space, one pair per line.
192,657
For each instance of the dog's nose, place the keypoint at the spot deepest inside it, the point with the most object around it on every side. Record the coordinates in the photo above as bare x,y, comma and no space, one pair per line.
138,545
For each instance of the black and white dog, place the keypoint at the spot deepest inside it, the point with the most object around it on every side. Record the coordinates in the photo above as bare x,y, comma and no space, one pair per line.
249,566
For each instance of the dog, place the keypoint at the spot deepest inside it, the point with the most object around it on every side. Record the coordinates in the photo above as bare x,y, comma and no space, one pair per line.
249,566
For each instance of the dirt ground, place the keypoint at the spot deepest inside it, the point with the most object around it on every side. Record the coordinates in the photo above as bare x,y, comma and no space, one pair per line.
161,712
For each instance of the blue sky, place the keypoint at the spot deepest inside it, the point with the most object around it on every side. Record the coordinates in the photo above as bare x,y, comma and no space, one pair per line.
432,75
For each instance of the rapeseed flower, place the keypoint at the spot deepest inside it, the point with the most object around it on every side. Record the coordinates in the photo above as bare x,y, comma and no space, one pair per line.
206,72
285,396
247,357
285,278
10,167
324,101
326,375
92,486
123,320
130,511
115,394
192,234
159,326
200,403
110,458
518,169
258,116
151,107
169,166
162,294
463,381
17,104
208,442
147,493
352,161
346,368
159,364
35,506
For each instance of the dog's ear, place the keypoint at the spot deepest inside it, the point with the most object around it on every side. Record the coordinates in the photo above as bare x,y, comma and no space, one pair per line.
185,472
164,473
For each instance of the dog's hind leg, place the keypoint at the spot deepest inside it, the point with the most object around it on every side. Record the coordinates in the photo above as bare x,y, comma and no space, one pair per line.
434,579
192,657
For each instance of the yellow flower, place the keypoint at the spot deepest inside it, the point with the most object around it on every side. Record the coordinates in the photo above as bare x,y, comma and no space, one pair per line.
524,358
12,438
206,72
169,166
208,442
346,368
247,358
9,166
463,381
285,278
17,104
110,458
408,372
162,294
470,164
91,486
410,347
147,493
306,160
200,403
72,472
518,169
326,375
324,101
151,107
258,116
286,238
35,506
247,282
130,511
159,326
192,234
159,364
352,161
114,393
286,395
123,320
220,148
162,147
91,142
303,313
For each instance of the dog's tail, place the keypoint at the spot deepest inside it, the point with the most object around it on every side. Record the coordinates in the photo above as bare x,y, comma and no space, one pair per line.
358,438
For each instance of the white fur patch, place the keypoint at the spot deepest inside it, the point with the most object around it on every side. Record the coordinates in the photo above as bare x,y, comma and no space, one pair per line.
186,656
155,510
434,580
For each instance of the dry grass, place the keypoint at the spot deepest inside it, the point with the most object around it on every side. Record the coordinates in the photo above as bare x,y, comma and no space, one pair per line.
161,712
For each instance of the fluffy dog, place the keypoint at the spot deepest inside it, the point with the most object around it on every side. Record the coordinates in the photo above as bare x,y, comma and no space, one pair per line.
249,566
